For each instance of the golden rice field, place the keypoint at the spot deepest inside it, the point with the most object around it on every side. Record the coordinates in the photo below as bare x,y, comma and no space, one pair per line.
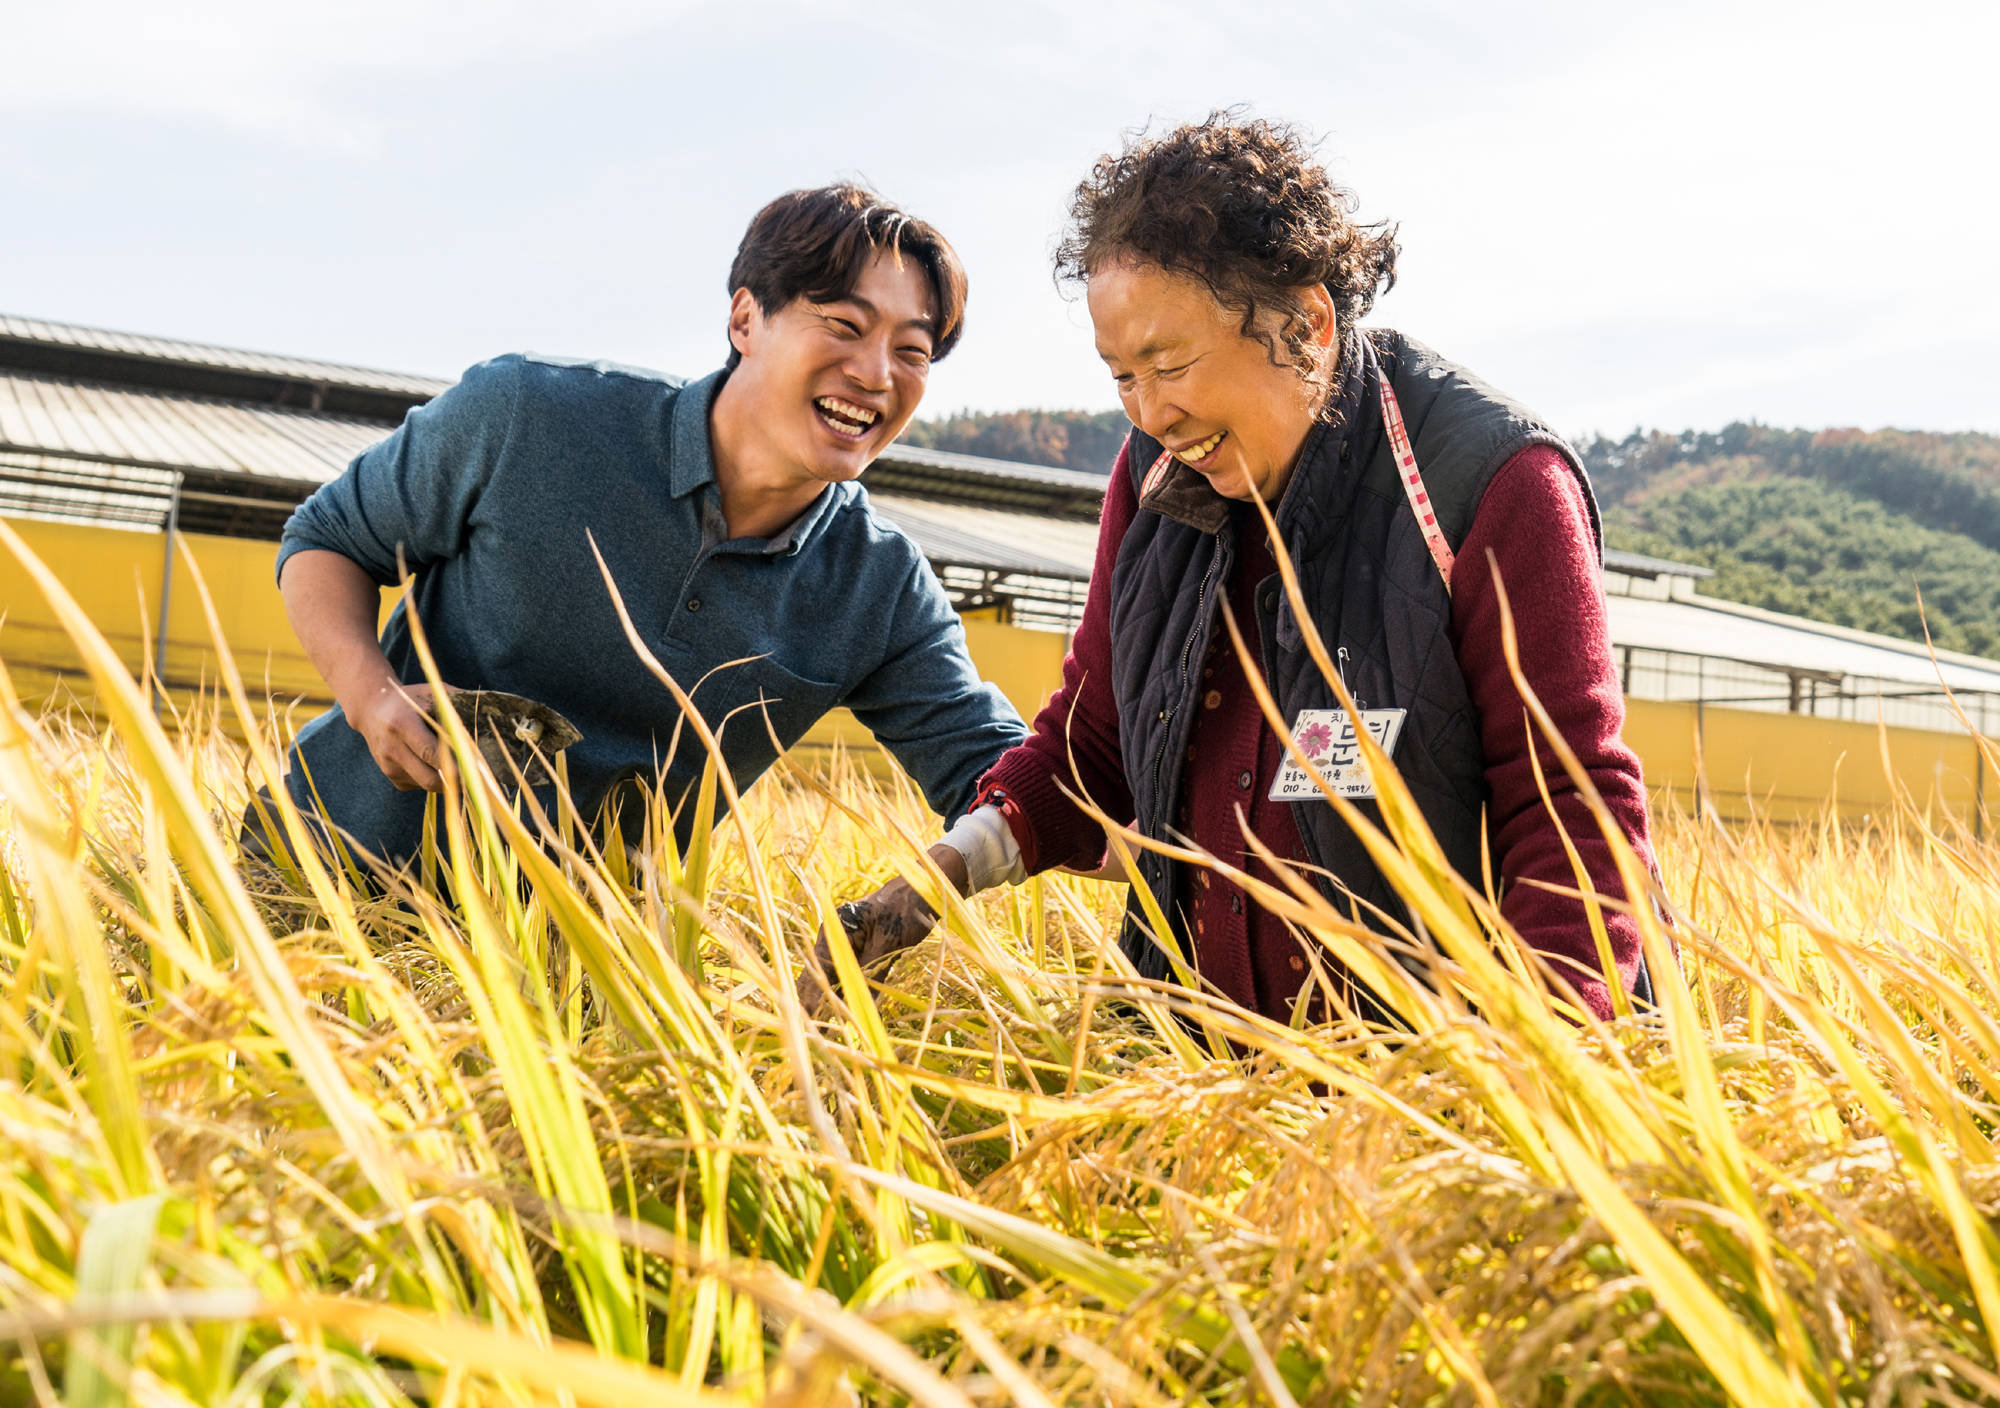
566,1136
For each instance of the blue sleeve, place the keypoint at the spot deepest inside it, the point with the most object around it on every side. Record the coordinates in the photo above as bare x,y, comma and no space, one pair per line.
417,489
927,705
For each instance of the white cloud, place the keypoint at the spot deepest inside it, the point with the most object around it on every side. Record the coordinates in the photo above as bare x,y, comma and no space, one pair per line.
1732,152
280,70
1631,210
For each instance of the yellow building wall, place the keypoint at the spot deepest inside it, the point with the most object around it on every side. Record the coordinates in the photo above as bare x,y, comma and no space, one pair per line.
1781,764
116,576
1787,766
1025,664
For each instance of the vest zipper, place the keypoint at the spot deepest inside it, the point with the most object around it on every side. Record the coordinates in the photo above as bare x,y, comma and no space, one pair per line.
1187,650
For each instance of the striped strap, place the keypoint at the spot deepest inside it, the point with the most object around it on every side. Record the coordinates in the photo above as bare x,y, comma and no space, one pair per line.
1413,484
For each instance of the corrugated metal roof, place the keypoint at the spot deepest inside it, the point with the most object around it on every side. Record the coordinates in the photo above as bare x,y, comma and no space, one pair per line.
1726,630
55,416
39,486
1045,475
195,354
92,445
1042,489
995,539
1637,564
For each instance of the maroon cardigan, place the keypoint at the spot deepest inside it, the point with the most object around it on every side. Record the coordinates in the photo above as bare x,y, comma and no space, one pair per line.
1535,523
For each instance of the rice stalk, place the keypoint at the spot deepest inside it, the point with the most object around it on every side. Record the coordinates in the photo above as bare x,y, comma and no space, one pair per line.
551,1127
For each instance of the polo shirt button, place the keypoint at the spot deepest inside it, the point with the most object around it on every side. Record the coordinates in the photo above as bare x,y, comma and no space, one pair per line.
1236,904
1298,964
694,603
1213,700
1243,780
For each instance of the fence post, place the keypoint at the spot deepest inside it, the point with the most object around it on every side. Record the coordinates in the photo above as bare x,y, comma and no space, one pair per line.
166,595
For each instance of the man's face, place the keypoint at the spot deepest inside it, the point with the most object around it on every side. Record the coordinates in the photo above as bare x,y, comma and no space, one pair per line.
836,382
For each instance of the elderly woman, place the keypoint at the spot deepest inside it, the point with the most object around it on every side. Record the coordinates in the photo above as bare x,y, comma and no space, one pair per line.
1225,279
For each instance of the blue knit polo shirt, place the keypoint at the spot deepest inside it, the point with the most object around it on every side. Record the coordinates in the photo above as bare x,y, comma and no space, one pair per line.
494,492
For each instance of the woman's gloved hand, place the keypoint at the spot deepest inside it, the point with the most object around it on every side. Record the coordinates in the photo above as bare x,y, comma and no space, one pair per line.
894,918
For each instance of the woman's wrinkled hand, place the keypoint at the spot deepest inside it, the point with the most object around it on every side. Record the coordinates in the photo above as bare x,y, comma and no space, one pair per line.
879,927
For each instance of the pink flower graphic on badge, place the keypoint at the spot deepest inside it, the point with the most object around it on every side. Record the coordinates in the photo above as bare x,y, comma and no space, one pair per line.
1315,740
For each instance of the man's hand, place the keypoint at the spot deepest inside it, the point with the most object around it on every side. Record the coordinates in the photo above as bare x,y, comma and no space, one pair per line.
879,927
395,720
332,603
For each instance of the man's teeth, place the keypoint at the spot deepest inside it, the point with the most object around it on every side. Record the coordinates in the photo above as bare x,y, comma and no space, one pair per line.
1194,454
846,412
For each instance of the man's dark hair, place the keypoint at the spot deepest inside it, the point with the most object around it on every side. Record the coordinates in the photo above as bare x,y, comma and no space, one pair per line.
814,245
1243,206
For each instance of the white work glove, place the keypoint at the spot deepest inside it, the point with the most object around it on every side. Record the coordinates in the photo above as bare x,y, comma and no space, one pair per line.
992,855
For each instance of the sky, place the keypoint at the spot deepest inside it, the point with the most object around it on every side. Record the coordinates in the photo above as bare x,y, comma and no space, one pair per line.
1662,215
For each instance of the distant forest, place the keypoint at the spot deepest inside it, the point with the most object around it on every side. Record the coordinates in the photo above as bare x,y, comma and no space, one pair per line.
1086,440
1841,525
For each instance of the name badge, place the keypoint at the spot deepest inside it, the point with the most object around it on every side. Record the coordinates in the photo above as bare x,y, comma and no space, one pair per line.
1327,737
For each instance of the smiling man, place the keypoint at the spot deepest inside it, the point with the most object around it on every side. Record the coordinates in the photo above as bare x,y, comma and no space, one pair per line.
726,510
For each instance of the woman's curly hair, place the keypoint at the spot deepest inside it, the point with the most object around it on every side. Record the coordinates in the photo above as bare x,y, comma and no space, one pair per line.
1242,205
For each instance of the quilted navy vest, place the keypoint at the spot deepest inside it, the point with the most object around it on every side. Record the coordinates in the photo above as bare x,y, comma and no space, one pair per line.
1374,593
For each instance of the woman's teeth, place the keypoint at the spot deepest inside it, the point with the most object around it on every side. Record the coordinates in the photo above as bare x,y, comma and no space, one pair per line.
844,416
1195,454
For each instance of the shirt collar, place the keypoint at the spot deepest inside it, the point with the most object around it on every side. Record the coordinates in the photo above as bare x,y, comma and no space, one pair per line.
793,535
690,454
692,466
786,541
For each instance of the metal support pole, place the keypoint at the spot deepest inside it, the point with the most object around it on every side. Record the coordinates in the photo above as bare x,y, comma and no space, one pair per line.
166,594
1978,788
1700,753
1979,771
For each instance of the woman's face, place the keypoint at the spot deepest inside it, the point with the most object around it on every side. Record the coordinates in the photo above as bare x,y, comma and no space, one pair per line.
1191,378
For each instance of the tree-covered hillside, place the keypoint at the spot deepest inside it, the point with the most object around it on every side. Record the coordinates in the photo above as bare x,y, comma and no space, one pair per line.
1814,550
1840,525
1086,440
1947,482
